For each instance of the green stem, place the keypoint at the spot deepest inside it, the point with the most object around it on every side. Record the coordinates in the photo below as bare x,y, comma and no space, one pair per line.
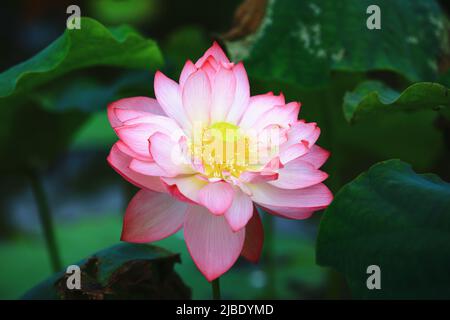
46,220
269,252
215,284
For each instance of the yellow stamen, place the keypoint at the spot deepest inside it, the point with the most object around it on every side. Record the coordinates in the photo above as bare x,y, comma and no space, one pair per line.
222,149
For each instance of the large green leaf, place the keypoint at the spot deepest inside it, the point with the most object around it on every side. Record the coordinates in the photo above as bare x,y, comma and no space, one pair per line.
397,219
43,104
301,42
375,97
123,271
92,45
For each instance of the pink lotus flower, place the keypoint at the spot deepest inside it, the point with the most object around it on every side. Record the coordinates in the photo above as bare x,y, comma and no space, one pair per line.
204,152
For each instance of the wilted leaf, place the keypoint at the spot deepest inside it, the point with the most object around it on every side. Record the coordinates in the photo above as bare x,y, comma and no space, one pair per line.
123,271
396,219
375,97
247,19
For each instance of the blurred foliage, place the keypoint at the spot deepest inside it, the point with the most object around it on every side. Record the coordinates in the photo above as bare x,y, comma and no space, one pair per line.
119,11
182,44
95,133
89,94
300,278
396,219
374,96
123,271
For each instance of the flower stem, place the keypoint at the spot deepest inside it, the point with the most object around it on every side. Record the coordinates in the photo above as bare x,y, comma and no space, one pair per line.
215,285
46,219
271,273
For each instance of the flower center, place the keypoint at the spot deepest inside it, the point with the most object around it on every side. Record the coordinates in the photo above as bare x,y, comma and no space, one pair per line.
222,149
